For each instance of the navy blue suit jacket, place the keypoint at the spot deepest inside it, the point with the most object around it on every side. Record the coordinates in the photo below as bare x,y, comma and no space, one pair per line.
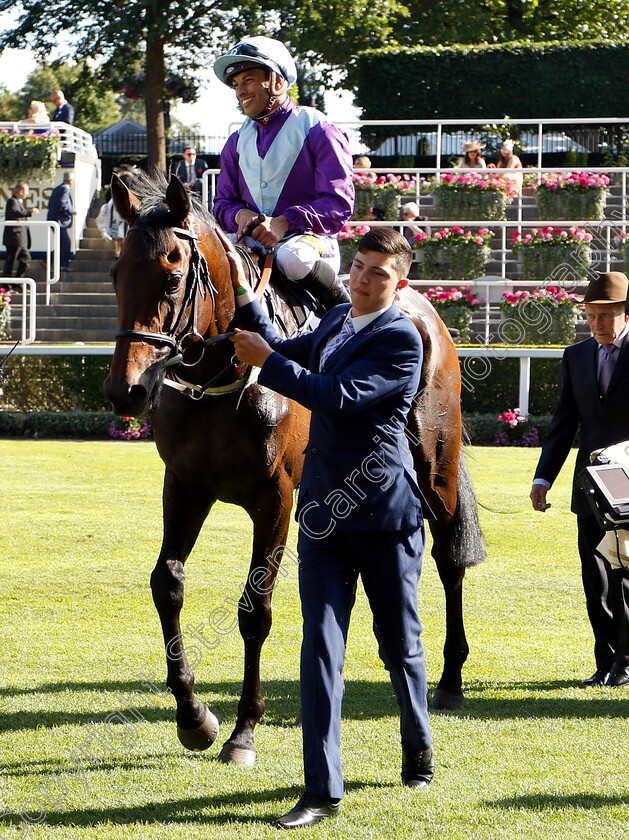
358,472
602,420
65,113
60,207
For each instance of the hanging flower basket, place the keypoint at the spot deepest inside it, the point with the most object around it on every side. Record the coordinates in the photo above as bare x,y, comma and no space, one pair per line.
5,313
572,195
380,193
543,316
349,237
456,307
470,195
544,252
453,254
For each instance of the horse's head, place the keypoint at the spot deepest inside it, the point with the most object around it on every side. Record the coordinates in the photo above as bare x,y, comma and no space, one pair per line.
169,282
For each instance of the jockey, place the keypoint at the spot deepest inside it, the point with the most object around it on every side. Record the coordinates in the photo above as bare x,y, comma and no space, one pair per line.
287,163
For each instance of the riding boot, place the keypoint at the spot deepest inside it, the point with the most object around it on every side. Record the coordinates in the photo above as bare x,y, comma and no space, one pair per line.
326,287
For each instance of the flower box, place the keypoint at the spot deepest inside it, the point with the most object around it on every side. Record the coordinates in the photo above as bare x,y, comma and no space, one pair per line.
453,254
456,307
545,252
348,239
28,155
381,193
573,195
543,316
470,196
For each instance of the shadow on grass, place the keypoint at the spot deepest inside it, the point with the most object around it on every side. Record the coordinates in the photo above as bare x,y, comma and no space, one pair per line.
554,802
187,810
364,700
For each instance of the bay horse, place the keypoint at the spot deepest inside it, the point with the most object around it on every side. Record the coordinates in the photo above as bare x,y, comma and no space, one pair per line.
222,436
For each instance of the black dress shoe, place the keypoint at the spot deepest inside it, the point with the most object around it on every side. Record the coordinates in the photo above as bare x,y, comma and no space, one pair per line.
310,810
617,677
598,678
418,767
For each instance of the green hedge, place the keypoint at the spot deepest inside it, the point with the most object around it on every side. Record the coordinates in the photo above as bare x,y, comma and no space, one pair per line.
75,383
55,424
491,386
551,80
55,383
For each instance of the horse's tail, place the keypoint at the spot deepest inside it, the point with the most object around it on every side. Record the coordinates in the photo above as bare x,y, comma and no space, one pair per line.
467,547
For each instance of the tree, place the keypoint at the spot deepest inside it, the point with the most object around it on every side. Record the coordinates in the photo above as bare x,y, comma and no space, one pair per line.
157,34
93,98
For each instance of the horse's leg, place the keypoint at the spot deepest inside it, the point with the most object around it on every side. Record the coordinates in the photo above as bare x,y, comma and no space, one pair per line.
449,691
457,545
185,511
270,512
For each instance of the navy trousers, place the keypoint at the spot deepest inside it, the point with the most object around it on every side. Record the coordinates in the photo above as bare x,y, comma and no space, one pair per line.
389,564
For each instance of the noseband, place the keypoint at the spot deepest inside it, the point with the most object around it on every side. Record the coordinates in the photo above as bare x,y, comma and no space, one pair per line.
198,280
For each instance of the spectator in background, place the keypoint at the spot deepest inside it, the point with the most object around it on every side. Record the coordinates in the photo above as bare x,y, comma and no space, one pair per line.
362,162
507,160
61,210
110,223
64,112
472,158
36,113
410,212
17,239
191,169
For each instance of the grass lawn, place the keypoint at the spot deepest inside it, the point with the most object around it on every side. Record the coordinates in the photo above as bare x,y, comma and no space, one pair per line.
530,755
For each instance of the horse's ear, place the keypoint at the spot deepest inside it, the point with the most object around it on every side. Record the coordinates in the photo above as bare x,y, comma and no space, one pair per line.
127,204
178,201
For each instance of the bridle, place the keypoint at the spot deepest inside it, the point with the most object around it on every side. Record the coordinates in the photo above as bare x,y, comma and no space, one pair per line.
198,280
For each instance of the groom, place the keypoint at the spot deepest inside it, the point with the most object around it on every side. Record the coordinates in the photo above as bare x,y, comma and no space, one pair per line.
359,507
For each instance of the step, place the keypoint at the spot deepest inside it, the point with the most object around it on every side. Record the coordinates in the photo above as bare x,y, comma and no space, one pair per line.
78,310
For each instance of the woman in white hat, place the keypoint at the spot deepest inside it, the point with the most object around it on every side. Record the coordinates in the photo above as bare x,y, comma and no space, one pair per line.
507,160
472,158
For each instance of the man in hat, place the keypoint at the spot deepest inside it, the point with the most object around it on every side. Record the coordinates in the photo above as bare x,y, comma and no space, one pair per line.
288,164
593,399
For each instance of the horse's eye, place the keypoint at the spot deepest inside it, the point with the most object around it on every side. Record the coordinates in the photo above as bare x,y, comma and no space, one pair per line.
173,280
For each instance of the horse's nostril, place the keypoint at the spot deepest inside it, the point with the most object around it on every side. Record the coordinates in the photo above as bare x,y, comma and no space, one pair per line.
137,394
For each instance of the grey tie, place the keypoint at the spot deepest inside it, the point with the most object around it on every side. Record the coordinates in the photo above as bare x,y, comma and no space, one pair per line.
607,367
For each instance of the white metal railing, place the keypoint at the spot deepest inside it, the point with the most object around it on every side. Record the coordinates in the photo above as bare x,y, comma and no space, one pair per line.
424,197
72,139
28,319
51,250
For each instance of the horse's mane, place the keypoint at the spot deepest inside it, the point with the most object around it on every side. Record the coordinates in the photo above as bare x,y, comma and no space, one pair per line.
154,219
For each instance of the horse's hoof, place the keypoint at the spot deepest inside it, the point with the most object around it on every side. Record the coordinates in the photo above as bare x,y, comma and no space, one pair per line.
203,736
445,701
237,755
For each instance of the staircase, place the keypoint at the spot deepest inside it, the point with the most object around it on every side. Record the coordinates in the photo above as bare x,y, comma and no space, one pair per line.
82,304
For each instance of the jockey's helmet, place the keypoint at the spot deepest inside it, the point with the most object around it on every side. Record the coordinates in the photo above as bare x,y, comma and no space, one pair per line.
258,49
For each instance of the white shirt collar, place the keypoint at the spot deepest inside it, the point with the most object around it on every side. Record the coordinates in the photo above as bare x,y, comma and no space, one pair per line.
619,341
361,321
